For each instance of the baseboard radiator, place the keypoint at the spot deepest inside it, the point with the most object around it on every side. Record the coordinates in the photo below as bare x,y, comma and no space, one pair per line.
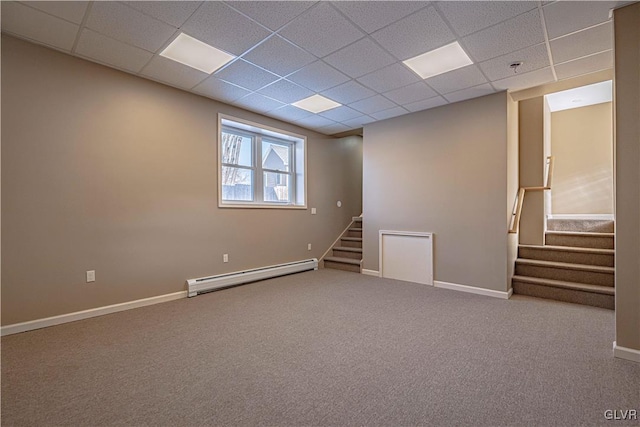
208,284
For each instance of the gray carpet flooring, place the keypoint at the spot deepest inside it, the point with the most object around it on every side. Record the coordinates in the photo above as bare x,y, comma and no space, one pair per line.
323,348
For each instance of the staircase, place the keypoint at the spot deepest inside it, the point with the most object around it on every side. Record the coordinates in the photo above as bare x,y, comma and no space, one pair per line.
347,251
576,264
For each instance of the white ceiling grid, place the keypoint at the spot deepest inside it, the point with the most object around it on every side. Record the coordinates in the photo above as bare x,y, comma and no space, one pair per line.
350,52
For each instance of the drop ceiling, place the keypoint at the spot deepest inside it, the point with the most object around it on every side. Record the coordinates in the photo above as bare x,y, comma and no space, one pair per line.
349,52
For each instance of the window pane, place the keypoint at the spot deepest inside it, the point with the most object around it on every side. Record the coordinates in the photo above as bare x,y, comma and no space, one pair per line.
276,187
275,156
237,184
236,149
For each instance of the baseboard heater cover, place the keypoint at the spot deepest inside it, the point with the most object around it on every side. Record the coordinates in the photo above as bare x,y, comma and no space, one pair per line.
208,284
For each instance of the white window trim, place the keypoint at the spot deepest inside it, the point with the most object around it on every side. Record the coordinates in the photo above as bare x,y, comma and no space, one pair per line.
300,146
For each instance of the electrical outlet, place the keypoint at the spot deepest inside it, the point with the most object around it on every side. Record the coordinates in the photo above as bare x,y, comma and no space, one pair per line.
313,211
309,247
91,276
225,258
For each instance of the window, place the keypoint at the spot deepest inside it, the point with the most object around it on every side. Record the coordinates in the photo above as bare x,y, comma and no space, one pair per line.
260,166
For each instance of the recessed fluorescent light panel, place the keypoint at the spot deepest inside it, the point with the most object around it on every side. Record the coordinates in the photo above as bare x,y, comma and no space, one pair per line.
584,96
316,104
196,54
439,61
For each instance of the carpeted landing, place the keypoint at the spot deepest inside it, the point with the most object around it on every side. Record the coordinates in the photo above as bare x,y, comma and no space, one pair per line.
323,348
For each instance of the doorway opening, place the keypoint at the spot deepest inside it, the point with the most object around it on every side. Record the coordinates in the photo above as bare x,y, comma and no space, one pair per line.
579,135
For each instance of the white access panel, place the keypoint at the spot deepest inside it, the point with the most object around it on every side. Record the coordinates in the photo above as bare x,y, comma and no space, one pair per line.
406,255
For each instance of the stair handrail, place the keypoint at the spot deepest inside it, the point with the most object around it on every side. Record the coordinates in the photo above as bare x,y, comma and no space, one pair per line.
516,212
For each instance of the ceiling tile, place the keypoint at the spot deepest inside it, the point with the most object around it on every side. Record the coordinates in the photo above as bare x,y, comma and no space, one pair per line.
285,91
387,114
416,34
128,25
372,105
220,90
332,129
38,26
373,15
532,58
358,121
315,121
436,101
259,103
588,64
389,78
508,36
340,114
279,56
222,27
348,92
284,67
173,73
360,58
321,30
70,10
459,79
246,75
290,113
525,80
318,76
472,92
467,17
564,17
412,93
583,43
112,52
272,14
174,13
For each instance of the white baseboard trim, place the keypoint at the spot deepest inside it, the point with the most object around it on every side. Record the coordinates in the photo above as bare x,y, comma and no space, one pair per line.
473,290
371,272
626,353
606,217
86,314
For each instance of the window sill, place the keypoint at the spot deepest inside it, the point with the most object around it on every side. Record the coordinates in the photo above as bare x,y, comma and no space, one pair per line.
258,206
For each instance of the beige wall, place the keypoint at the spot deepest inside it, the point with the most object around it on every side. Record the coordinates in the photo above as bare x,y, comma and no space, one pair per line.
547,152
582,145
106,171
627,175
443,171
512,180
532,169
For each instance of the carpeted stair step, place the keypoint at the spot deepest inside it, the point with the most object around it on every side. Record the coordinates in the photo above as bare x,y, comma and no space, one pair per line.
351,242
589,256
346,252
354,232
581,225
578,293
579,239
340,263
578,273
